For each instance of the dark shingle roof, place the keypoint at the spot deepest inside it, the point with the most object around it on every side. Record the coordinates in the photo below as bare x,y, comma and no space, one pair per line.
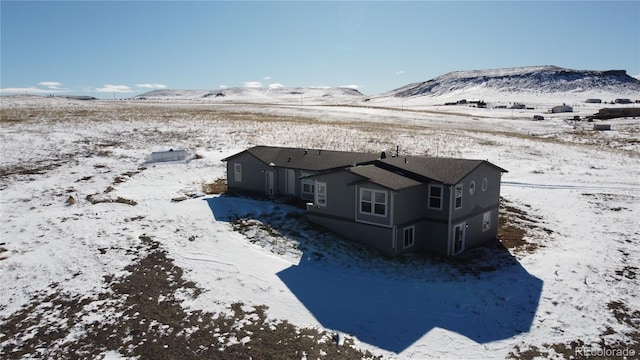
382,177
392,172
307,159
444,170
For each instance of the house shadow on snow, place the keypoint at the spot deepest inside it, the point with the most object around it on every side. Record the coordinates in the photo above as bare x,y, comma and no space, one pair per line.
393,313
487,295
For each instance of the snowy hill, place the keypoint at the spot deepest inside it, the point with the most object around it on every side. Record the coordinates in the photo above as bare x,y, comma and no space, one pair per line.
548,85
293,95
535,79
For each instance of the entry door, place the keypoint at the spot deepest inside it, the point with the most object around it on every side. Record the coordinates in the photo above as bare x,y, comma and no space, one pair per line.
458,238
291,181
270,183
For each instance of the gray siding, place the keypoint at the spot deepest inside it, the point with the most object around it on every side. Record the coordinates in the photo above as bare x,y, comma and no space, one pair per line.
253,174
480,198
475,205
475,236
377,237
340,195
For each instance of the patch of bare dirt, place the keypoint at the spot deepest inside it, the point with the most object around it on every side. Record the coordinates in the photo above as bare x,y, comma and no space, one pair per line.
518,230
141,315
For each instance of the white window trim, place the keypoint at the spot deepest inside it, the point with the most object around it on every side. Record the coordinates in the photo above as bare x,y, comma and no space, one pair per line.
237,172
486,221
459,192
440,197
320,199
373,202
413,236
463,230
310,182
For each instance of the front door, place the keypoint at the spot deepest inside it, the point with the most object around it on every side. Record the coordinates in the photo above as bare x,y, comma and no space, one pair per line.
458,238
270,183
291,181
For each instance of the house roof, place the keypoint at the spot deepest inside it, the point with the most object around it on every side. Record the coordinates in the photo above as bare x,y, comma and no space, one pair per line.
385,178
445,170
306,159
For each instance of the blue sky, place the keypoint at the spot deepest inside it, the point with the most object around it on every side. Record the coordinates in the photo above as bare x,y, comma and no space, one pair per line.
108,48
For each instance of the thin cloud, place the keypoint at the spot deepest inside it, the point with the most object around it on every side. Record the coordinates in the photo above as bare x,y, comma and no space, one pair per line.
27,90
353,86
223,86
152,86
252,84
400,72
275,86
267,78
51,84
114,89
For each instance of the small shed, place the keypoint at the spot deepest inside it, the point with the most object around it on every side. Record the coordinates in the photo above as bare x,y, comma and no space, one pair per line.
594,101
601,127
561,108
170,155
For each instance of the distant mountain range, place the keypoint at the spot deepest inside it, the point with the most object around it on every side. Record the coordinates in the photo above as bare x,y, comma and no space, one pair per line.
537,79
296,94
529,80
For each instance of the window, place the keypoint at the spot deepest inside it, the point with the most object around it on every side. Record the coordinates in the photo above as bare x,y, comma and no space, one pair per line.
472,188
459,189
373,202
308,187
435,197
237,172
407,238
485,184
321,193
486,221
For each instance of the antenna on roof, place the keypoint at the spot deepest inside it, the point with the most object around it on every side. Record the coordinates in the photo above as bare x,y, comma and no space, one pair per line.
397,150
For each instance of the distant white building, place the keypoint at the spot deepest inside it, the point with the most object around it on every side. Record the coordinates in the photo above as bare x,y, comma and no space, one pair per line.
561,108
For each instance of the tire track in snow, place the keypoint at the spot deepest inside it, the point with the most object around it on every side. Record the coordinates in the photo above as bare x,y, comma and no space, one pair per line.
570,186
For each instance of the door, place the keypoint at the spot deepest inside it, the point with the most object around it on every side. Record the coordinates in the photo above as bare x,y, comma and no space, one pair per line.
458,238
291,181
270,183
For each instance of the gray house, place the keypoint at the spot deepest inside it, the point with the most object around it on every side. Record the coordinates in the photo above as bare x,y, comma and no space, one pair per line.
276,171
395,204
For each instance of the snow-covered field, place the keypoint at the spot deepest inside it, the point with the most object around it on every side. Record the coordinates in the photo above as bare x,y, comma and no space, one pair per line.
80,206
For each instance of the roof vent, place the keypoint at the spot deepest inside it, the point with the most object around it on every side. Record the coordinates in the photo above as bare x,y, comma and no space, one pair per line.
289,160
405,160
383,155
319,151
306,151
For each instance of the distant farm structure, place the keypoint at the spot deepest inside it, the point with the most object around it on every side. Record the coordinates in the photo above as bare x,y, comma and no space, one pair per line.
561,109
612,113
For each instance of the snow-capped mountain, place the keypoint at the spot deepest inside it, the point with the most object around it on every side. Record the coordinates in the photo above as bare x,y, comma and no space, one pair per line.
533,79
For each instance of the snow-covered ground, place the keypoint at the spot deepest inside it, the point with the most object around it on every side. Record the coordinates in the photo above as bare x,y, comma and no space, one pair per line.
582,186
